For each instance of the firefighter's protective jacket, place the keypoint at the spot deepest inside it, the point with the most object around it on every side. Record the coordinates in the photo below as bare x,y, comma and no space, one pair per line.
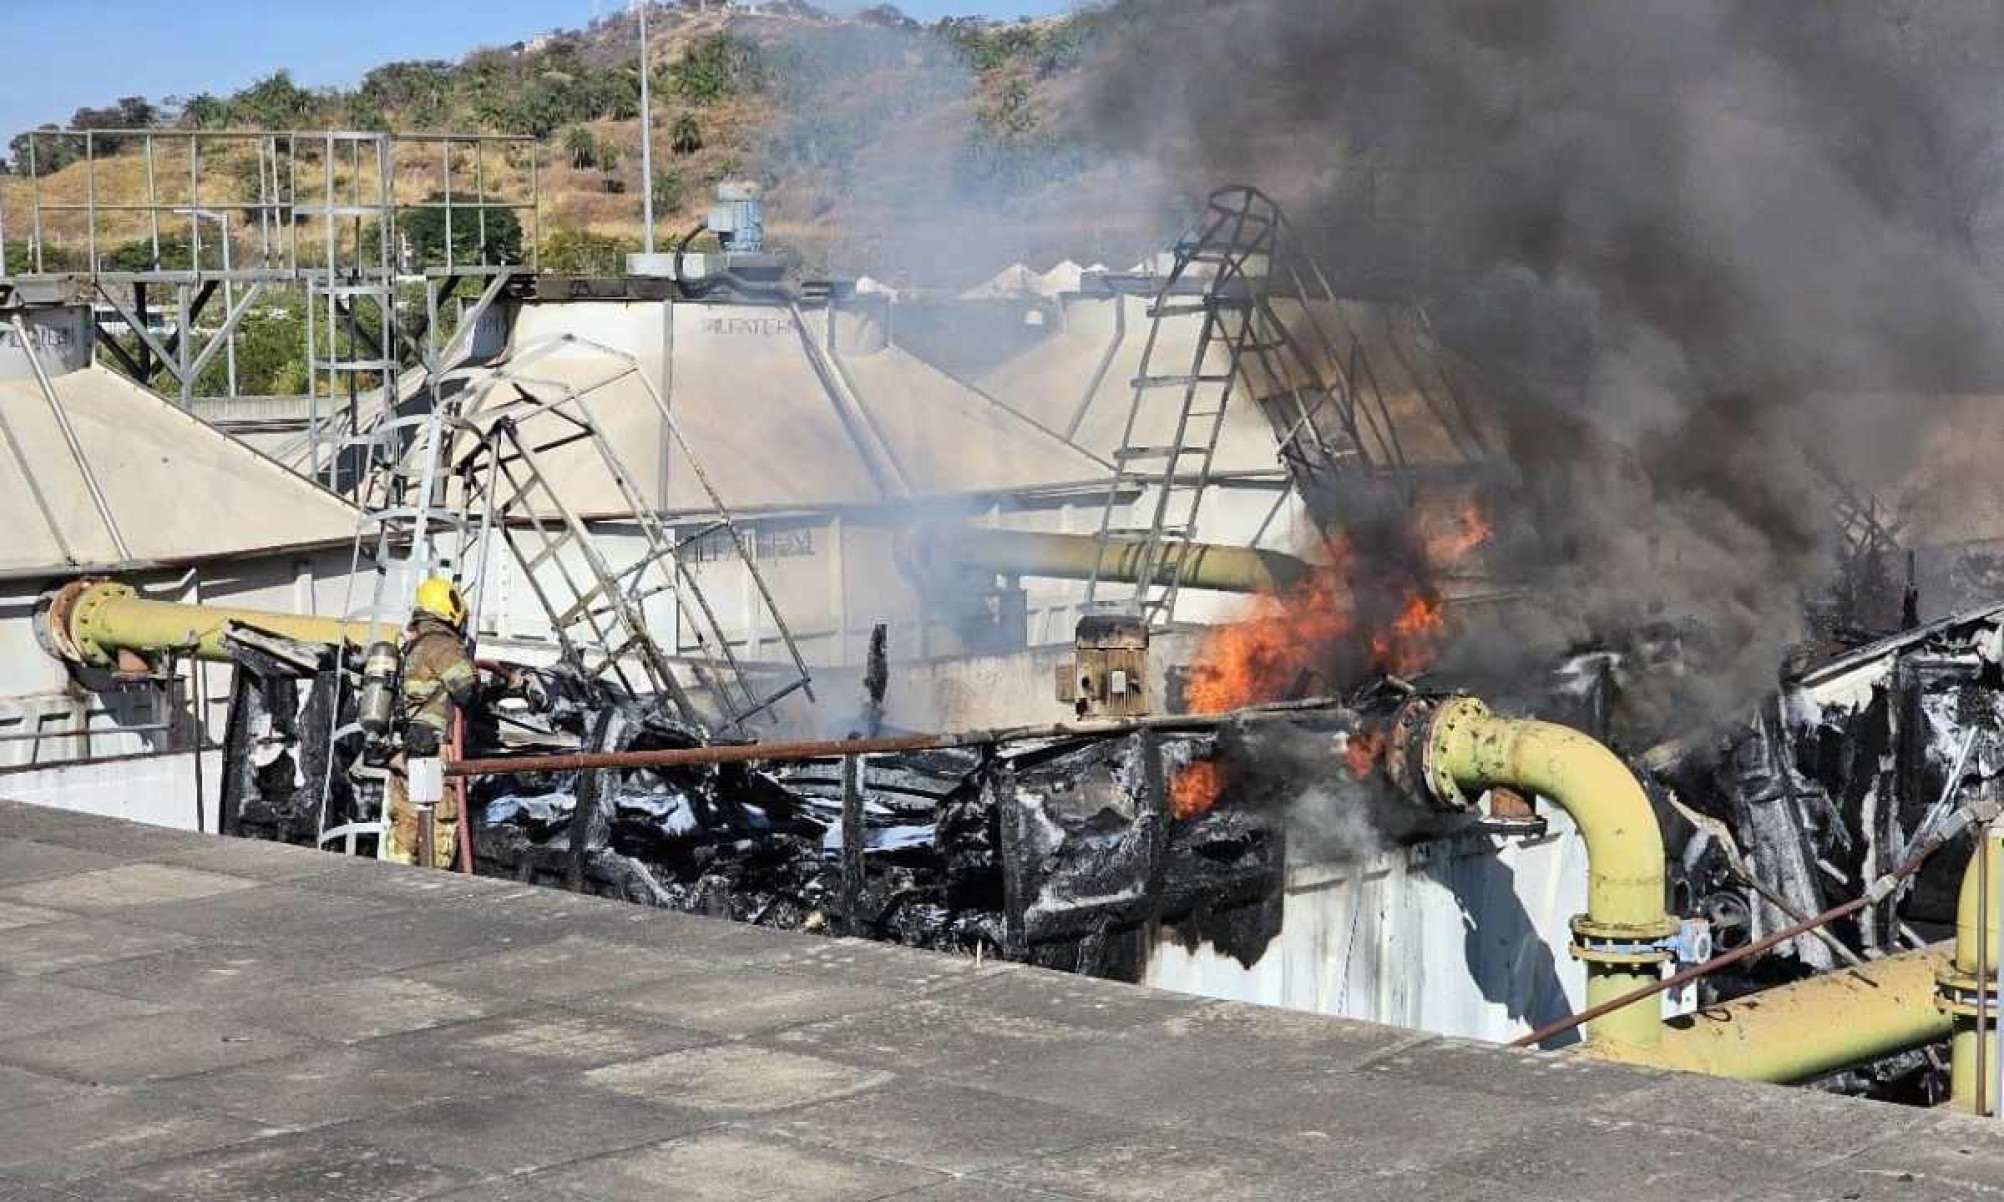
436,673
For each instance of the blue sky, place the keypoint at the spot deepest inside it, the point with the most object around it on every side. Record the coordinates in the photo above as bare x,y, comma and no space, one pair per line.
58,56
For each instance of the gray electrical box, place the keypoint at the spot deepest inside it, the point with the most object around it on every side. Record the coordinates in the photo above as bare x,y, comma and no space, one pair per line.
738,217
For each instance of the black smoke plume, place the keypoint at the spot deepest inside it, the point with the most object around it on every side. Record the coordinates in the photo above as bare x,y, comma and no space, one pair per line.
1679,240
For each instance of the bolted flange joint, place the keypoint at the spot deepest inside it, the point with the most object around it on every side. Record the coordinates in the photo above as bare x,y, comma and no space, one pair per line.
1415,764
1964,994
1630,945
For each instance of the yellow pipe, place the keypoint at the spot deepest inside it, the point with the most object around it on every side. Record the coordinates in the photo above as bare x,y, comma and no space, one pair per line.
1806,1029
1621,936
93,621
1960,986
1214,566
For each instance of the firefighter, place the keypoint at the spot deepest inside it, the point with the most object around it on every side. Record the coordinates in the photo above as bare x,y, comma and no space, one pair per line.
437,675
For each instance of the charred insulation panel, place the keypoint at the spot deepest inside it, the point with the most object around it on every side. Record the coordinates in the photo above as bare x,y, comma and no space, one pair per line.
1057,852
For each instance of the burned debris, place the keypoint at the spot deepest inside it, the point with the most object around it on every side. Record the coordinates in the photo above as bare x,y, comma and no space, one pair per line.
1059,851
1835,779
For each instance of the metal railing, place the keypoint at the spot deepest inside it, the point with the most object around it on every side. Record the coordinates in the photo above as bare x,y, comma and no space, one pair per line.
289,187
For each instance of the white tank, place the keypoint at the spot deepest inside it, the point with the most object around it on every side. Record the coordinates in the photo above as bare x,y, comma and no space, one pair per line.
61,336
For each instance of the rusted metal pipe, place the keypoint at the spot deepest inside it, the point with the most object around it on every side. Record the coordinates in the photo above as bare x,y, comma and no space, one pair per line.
821,749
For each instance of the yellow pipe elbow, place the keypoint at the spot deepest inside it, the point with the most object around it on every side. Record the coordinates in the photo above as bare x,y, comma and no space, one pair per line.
1624,843
1468,749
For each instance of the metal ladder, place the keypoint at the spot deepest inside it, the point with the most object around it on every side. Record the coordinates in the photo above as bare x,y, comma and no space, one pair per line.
408,530
597,612
1227,269
411,526
335,374
598,620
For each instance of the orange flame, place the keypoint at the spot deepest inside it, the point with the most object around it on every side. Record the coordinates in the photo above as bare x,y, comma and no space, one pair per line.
1362,752
1287,639
1195,788
1413,639
1471,529
1262,656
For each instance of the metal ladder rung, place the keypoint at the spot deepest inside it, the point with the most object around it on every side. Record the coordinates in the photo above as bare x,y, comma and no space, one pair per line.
1178,381
1123,453
1211,305
552,547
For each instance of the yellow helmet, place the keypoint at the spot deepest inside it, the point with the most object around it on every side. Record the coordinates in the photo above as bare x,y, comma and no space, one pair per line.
440,598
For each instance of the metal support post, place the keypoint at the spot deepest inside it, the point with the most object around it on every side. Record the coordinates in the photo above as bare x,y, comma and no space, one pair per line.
183,343
97,498
426,850
646,135
852,844
457,785
197,671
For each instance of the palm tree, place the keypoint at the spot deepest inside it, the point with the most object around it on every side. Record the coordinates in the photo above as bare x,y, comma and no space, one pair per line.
685,136
581,146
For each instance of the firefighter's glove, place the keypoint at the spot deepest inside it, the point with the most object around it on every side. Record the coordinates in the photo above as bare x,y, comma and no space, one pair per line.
420,740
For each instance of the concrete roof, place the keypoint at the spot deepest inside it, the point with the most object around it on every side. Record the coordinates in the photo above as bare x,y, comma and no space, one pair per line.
196,1017
768,431
177,489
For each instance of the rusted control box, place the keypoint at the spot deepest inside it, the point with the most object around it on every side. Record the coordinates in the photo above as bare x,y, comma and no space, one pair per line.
1108,675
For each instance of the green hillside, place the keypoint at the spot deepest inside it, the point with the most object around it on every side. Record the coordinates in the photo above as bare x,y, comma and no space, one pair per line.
933,152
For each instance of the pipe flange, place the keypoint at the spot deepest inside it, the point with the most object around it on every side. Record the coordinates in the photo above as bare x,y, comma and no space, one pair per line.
52,620
1964,994
1416,731
1406,746
82,623
1625,943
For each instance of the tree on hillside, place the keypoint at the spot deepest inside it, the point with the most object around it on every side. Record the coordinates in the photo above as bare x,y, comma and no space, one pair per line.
424,230
48,154
685,136
586,253
716,67
608,166
580,147
203,110
419,92
669,191
274,102
130,112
